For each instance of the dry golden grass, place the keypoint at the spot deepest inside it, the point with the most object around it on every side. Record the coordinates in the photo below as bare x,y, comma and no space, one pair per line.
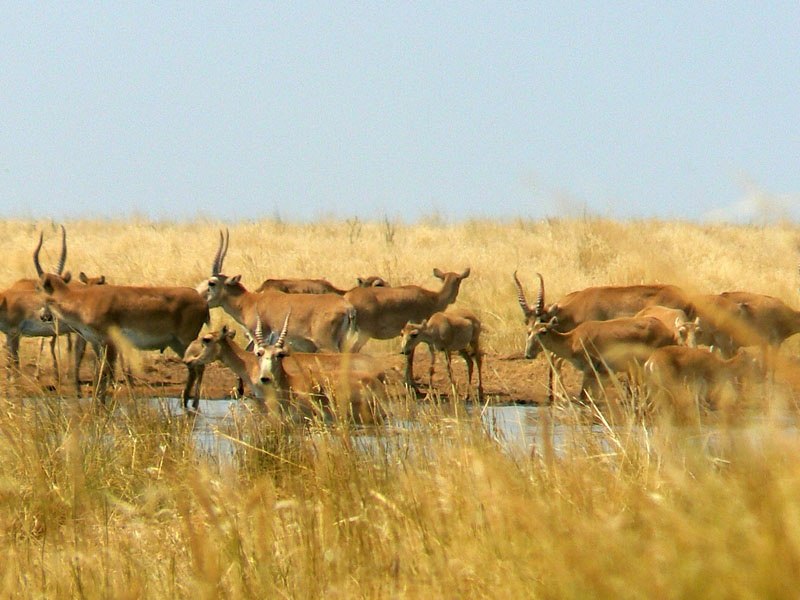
571,254
124,504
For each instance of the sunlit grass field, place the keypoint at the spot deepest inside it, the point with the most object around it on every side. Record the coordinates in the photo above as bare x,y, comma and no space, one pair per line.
124,504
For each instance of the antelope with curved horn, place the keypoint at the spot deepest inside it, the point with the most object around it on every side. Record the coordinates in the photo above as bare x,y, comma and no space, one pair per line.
322,384
597,304
20,309
321,320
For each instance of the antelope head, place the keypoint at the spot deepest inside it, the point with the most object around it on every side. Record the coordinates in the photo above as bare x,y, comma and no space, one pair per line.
533,345
534,315
372,281
206,348
271,357
215,288
411,336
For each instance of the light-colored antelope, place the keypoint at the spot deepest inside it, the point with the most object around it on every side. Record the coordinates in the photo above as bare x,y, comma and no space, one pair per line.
685,330
324,320
150,318
681,379
454,330
316,286
596,304
322,385
382,312
219,345
616,345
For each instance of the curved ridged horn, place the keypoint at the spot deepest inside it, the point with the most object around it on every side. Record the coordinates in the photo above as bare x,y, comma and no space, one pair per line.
526,309
284,330
222,250
259,332
540,299
39,270
63,258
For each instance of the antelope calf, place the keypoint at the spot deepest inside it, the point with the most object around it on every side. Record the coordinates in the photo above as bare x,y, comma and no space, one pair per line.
685,330
219,346
616,345
681,378
327,385
455,330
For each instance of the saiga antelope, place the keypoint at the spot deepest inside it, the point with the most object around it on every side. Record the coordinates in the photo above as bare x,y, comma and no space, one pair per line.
219,345
685,330
769,321
20,309
323,319
454,330
598,347
322,384
597,304
680,378
150,318
316,286
382,312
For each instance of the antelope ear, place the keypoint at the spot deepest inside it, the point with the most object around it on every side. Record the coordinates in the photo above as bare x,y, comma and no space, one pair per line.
679,323
67,277
438,274
82,276
233,280
553,322
360,281
230,334
423,324
465,274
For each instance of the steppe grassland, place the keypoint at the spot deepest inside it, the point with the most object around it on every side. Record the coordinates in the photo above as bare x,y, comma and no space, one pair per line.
123,507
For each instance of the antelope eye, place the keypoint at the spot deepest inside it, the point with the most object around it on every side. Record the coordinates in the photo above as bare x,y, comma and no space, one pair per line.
211,283
206,340
414,333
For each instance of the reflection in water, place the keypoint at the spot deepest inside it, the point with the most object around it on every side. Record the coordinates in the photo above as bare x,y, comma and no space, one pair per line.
516,427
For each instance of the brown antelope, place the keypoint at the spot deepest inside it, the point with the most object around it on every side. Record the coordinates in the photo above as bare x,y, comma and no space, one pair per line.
598,347
219,345
322,384
457,329
680,378
324,320
20,309
382,312
150,318
722,324
685,330
769,321
596,304
316,286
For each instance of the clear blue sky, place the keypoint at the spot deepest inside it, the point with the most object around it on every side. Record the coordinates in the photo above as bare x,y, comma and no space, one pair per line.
306,110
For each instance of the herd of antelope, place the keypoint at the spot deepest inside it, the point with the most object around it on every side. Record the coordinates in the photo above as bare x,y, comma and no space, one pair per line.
305,336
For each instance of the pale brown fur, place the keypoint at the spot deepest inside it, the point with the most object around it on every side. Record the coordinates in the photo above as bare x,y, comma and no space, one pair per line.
454,330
